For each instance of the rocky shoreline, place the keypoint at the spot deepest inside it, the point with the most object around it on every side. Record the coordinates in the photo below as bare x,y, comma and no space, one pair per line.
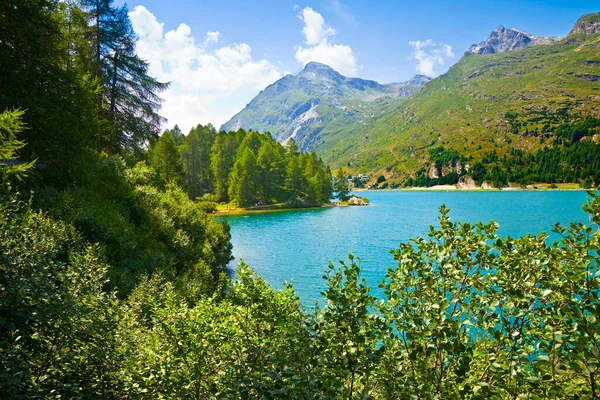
487,187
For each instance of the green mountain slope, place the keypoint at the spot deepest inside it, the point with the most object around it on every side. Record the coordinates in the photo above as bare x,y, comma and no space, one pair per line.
485,102
317,104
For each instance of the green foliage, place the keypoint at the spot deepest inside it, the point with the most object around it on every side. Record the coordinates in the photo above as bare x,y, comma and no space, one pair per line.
142,228
56,100
347,335
57,325
166,159
228,348
195,154
10,126
243,183
341,186
251,167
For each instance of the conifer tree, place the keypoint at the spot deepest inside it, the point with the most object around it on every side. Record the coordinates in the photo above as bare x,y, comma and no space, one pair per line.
129,100
272,171
196,155
10,126
341,185
291,148
166,159
295,181
222,159
243,183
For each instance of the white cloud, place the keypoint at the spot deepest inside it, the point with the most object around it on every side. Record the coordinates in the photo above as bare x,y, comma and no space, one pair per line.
318,37
315,30
430,55
212,36
201,79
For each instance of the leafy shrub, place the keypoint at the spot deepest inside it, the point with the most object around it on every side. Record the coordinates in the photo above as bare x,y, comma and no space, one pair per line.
141,228
57,324
207,206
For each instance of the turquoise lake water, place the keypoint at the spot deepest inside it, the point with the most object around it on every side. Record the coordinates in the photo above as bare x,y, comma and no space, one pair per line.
297,245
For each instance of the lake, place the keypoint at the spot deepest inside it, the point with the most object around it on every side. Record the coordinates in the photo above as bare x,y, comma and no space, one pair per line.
297,245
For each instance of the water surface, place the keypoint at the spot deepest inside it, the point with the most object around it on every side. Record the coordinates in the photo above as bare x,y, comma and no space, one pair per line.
297,245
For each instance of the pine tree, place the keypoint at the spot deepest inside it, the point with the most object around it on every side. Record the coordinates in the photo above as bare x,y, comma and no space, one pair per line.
166,159
341,185
222,159
295,181
129,99
327,191
196,159
10,126
291,148
243,187
272,171
177,135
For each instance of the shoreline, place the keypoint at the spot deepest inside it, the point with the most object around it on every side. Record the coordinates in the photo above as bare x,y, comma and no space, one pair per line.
272,208
561,187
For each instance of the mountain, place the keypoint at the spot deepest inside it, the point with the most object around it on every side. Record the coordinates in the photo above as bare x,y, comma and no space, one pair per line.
503,101
508,39
318,103
509,93
587,25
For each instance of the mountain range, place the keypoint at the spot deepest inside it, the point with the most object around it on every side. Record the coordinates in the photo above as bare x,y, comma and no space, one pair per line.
317,103
506,92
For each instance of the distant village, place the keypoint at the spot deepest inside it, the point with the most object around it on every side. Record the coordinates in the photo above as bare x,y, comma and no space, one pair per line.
360,182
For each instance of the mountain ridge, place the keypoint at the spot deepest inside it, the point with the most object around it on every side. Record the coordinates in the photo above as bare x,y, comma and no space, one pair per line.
305,105
504,39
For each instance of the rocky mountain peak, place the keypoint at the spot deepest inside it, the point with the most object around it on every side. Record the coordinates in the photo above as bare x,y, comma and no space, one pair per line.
315,66
507,39
418,80
588,24
320,71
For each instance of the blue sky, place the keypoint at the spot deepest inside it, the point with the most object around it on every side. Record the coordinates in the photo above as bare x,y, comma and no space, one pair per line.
227,51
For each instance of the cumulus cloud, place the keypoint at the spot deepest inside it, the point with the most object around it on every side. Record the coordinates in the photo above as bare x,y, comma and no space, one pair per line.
314,29
318,37
430,55
201,79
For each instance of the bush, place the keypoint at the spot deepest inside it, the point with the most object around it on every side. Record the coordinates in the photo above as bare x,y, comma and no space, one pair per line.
57,324
207,207
142,229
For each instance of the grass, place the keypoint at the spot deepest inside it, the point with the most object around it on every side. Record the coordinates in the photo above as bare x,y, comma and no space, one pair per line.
229,209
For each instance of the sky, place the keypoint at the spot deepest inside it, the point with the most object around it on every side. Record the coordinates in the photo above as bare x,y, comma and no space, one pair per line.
218,55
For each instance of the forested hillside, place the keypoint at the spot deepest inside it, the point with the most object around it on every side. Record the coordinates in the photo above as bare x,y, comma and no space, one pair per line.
113,282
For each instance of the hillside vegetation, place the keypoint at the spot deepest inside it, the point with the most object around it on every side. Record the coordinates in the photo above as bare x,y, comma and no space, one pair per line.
318,103
487,102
